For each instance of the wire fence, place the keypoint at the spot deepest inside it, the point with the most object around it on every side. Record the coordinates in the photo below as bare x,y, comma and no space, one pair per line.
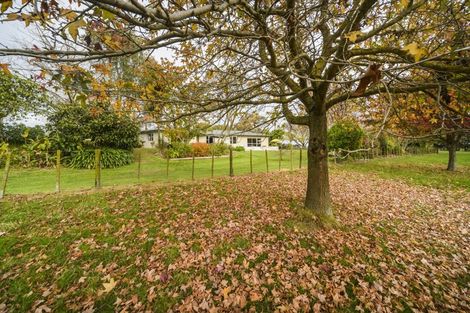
148,167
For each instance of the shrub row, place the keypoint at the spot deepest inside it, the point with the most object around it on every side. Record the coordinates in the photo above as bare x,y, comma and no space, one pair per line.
183,150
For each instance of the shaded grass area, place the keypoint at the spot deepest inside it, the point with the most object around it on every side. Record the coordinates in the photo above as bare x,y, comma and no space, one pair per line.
168,247
153,169
426,169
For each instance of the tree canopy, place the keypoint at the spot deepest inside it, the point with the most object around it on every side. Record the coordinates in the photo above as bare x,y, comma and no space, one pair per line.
306,56
19,96
75,126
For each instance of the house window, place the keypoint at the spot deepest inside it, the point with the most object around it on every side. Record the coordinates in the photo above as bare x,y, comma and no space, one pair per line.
150,136
254,142
209,139
233,140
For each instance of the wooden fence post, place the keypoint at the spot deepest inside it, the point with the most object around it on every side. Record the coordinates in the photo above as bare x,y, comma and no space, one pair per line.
192,172
267,166
291,159
251,161
57,168
231,162
168,168
212,164
97,168
6,171
300,158
139,161
280,157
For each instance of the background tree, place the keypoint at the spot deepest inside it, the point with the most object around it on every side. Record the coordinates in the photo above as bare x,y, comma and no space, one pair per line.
19,96
426,116
346,135
13,134
74,126
276,135
298,134
304,55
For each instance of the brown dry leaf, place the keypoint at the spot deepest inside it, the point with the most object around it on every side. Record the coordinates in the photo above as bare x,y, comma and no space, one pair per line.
107,287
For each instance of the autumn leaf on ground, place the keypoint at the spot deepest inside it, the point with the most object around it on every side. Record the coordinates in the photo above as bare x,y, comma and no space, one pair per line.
107,287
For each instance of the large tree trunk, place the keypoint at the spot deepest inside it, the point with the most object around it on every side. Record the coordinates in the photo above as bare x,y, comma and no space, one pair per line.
452,141
318,188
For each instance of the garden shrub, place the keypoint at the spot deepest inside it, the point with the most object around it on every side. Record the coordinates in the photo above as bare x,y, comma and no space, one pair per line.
347,135
110,158
239,148
219,149
178,150
200,149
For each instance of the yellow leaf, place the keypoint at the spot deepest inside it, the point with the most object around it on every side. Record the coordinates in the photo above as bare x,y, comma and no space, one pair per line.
12,17
108,15
433,120
4,68
352,36
103,68
69,15
107,287
404,3
73,28
225,292
414,49
6,5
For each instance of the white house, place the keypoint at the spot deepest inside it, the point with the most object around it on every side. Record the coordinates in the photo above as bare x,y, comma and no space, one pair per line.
150,136
235,138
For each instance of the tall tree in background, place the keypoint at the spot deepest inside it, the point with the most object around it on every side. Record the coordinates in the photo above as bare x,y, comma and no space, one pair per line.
19,96
304,55
424,116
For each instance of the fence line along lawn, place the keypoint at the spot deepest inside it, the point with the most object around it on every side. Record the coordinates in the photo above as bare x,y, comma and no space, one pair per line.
153,169
426,169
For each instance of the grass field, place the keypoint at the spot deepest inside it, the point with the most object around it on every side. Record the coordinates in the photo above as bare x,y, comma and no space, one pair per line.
426,169
241,244
153,169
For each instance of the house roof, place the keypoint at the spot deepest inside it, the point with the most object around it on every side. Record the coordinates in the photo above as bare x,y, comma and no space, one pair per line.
219,133
234,133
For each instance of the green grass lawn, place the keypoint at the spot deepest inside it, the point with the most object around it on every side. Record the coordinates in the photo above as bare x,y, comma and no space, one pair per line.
418,169
153,169
240,244
427,169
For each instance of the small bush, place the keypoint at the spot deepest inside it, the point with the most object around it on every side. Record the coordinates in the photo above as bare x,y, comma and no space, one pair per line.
201,149
178,150
219,149
347,135
239,148
110,158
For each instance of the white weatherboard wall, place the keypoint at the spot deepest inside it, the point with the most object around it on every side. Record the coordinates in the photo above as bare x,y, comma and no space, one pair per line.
242,141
